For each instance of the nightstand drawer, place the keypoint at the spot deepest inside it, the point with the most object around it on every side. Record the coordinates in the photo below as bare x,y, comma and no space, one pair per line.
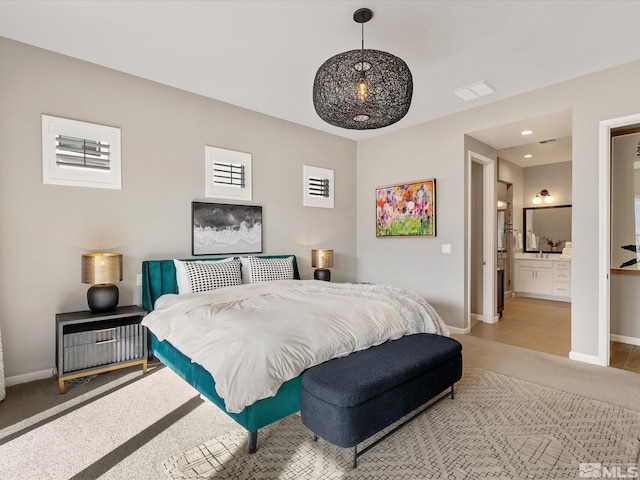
100,347
108,334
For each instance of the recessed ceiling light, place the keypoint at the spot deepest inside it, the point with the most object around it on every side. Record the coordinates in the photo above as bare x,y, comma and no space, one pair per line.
526,132
471,92
528,155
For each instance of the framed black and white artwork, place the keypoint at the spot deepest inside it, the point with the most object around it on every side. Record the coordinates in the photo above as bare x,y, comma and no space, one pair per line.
221,229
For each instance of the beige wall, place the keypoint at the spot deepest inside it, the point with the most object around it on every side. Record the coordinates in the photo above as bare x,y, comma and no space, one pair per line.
553,177
45,228
436,149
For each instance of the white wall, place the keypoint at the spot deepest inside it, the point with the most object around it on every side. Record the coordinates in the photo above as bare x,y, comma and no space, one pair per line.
436,149
46,228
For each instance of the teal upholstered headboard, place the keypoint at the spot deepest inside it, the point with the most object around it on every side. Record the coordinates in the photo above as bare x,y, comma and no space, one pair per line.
159,277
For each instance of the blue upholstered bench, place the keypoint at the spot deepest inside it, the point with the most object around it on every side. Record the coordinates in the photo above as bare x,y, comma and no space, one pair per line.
347,400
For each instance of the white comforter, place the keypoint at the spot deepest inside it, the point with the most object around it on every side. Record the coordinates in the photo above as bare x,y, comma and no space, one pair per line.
252,338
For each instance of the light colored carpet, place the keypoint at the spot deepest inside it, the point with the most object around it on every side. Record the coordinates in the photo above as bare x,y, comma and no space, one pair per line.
497,427
123,425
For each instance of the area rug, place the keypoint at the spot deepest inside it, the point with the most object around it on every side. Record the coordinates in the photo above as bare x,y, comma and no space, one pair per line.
497,427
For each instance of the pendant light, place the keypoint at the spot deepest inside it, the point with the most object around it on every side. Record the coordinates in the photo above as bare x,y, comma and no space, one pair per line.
362,89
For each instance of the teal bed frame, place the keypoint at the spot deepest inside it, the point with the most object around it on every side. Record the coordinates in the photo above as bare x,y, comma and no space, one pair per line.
159,278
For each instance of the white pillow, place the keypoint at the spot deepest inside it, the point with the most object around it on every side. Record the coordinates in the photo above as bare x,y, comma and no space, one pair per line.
257,269
185,280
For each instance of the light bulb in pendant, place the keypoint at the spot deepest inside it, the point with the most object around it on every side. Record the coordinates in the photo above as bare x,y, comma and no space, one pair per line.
363,89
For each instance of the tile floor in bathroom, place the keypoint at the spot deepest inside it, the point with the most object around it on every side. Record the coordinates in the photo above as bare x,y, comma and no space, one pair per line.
545,326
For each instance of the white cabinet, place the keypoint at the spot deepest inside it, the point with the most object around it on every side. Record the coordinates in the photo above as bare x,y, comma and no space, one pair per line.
562,278
534,276
543,278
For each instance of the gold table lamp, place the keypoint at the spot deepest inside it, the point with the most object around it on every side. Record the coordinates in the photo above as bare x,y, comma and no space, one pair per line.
101,270
323,260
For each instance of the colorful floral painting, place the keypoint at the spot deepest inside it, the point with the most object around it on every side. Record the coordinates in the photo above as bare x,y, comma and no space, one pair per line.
407,210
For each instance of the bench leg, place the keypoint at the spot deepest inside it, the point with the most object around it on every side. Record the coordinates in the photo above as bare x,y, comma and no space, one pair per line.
315,437
429,404
253,441
453,394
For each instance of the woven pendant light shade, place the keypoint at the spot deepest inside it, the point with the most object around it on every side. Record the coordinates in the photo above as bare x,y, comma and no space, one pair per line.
387,95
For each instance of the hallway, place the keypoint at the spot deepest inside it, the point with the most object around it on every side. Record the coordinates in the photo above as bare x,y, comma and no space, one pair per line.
545,326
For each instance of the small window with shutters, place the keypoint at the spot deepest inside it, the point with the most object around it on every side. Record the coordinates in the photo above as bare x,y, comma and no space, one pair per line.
80,154
228,174
318,187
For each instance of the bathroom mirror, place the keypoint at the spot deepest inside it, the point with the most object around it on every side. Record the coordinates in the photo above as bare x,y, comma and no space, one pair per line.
547,229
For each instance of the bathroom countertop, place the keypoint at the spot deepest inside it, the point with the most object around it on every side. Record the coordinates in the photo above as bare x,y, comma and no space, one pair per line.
545,256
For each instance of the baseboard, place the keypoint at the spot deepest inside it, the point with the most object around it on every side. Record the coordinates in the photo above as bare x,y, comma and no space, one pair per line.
28,377
625,339
583,357
458,330
480,318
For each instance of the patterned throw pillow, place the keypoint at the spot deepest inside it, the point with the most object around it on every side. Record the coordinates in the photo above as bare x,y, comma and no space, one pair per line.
181,272
267,269
205,276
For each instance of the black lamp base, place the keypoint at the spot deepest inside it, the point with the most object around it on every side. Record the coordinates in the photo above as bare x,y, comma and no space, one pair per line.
322,274
103,297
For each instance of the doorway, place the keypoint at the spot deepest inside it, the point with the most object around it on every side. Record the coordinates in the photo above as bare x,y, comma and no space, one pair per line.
481,239
620,278
548,152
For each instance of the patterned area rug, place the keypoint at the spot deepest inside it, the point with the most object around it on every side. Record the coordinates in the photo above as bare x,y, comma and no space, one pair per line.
497,427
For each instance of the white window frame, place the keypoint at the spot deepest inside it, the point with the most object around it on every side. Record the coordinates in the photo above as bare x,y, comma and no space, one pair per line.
227,192
55,174
309,172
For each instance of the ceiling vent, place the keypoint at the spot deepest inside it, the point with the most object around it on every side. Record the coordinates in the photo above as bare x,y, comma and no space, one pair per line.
551,140
471,92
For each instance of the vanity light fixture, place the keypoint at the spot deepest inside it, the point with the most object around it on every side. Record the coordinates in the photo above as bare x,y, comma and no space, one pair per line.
542,196
362,89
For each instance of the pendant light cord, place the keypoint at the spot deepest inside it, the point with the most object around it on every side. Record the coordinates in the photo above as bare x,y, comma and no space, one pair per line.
362,51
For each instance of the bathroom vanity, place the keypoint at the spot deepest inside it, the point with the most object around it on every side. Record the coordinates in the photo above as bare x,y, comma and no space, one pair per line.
546,276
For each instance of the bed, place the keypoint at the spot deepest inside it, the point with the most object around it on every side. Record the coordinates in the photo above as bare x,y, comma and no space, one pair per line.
160,279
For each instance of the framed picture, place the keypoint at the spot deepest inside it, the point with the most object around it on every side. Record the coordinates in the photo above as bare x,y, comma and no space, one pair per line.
219,229
406,210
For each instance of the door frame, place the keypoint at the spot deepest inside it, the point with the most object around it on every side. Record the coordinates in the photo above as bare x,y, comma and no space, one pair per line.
604,237
489,250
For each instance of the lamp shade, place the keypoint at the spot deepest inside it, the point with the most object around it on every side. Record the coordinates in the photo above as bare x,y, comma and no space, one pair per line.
390,88
322,258
100,268
362,89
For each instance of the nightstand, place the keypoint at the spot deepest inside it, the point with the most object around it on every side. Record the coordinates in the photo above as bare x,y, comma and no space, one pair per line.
90,343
